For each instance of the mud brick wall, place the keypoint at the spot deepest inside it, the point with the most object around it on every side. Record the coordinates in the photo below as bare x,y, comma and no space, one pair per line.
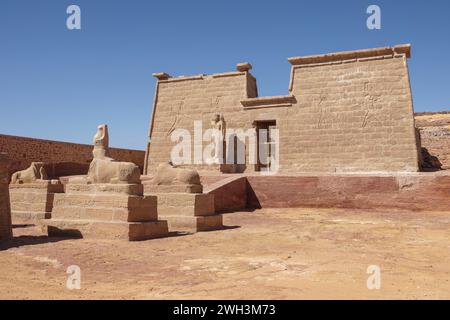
64,158
345,112
435,139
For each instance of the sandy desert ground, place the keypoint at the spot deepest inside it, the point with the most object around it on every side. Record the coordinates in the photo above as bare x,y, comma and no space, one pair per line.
264,254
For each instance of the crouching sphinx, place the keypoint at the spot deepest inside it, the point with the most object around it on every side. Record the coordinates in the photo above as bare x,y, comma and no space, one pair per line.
35,172
107,203
104,169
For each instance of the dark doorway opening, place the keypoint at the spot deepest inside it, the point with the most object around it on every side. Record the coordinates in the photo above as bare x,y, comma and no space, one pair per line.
265,146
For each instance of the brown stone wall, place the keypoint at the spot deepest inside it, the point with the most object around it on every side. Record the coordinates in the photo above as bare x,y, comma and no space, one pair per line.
5,208
423,191
64,158
408,191
345,112
230,193
435,139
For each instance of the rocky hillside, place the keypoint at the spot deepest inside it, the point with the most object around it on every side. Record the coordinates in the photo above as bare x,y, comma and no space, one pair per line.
435,137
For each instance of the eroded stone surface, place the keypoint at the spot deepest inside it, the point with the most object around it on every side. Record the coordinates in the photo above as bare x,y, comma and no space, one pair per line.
169,178
189,212
31,202
435,139
35,172
5,209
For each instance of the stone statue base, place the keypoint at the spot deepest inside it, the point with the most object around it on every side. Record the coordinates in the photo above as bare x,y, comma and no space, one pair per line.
105,211
31,202
175,188
189,212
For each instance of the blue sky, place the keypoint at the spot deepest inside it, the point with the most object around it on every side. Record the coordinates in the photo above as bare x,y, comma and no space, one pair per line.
60,84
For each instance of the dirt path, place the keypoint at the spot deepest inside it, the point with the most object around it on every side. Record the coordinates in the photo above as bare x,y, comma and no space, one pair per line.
270,254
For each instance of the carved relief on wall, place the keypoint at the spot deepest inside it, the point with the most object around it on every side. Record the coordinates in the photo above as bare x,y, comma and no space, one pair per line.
178,111
372,105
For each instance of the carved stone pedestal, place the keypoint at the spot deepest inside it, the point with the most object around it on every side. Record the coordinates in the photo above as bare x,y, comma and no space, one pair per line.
189,212
106,211
31,202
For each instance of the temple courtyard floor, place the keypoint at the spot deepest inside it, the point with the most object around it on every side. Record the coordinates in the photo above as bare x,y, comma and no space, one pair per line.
263,254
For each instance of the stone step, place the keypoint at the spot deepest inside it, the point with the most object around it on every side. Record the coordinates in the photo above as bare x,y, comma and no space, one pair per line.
36,206
29,195
186,204
28,216
132,214
194,224
108,200
113,230
44,186
107,188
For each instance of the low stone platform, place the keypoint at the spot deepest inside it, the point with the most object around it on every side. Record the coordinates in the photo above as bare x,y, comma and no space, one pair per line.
105,211
406,191
31,202
189,212
230,193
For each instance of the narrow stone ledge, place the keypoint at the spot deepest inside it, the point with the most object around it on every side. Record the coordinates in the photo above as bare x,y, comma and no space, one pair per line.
363,55
165,78
228,74
268,102
183,78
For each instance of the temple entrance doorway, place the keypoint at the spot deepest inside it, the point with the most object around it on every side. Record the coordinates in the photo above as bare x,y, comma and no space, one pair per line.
265,144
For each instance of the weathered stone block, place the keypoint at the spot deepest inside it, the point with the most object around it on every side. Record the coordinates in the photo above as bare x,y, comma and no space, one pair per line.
195,224
189,204
5,209
31,202
189,212
105,215
114,230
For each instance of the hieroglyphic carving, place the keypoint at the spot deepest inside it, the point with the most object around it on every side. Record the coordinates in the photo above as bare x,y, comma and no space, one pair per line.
370,102
179,108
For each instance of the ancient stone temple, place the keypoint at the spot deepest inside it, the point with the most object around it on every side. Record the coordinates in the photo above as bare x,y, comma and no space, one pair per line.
5,211
345,112
108,203
32,193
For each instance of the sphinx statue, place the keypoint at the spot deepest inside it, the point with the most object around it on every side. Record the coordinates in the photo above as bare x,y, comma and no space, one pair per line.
35,172
101,142
175,179
104,169
108,203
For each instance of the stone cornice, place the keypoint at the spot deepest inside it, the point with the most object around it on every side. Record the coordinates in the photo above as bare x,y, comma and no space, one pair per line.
268,102
399,50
